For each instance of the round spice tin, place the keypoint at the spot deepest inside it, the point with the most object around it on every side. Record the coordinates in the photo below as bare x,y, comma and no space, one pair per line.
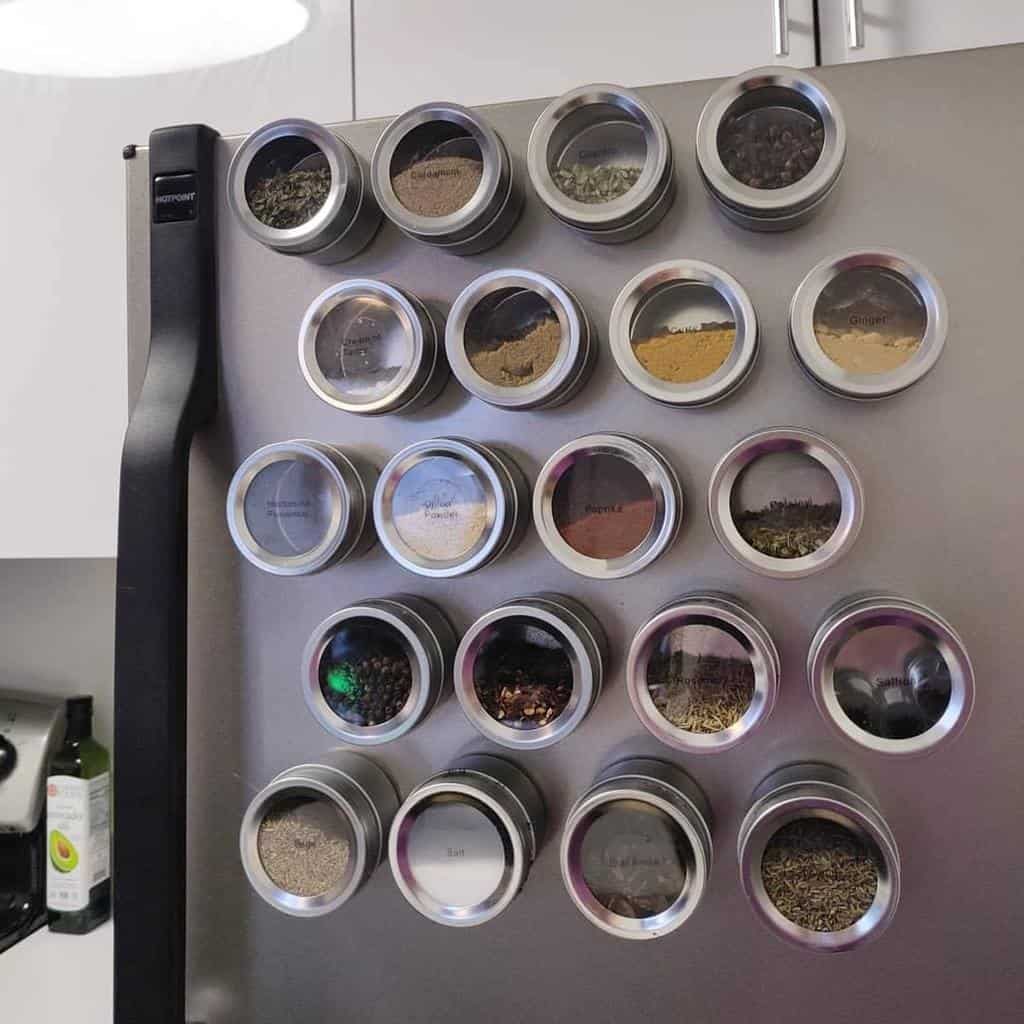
528,672
463,842
519,340
312,837
442,175
770,147
299,189
367,347
868,324
786,502
818,863
684,332
296,507
607,505
636,849
374,670
890,675
600,160
447,506
703,673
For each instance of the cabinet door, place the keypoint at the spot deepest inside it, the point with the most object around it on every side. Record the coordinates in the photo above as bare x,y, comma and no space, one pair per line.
63,395
473,52
872,29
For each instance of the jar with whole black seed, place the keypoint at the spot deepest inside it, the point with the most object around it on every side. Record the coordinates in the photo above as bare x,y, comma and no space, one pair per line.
374,670
527,673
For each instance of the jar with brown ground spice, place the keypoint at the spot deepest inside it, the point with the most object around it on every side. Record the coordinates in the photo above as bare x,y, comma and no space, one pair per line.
868,324
528,672
684,332
703,673
443,176
818,862
519,340
606,505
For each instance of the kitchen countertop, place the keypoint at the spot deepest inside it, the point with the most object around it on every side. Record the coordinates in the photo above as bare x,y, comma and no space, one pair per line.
49,978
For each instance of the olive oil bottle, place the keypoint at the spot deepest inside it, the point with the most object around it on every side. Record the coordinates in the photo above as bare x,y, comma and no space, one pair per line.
78,827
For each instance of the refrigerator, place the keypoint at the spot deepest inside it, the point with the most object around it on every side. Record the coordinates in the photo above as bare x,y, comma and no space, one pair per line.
484,906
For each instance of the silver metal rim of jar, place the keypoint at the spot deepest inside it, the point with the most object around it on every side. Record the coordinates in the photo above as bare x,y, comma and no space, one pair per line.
583,648
518,841
723,381
727,472
339,788
491,196
866,386
417,323
665,490
349,507
817,791
668,789
339,210
862,612
502,497
731,617
654,179
426,659
790,200
574,351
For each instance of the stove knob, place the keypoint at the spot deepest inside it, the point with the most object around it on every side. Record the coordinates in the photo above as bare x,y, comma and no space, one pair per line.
8,757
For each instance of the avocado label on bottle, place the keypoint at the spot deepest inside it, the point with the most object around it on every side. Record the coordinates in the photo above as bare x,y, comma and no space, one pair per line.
77,839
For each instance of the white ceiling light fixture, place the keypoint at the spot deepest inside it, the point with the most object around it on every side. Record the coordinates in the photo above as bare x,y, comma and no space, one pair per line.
118,38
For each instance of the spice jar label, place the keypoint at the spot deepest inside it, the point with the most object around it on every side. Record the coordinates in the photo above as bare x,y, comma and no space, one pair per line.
288,506
436,185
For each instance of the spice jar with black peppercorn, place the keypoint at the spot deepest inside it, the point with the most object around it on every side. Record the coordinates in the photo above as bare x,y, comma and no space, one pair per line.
528,672
374,670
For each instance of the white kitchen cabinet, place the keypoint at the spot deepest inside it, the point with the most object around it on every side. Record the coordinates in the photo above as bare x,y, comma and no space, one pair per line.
473,52
63,393
872,29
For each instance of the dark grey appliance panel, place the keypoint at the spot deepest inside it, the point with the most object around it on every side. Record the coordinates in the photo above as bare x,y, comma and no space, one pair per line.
936,145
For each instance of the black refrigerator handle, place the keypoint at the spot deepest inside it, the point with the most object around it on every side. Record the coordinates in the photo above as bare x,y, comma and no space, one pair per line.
179,393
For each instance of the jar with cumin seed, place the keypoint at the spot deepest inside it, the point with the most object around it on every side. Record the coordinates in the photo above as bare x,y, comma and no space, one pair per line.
818,862
519,340
312,838
299,189
442,175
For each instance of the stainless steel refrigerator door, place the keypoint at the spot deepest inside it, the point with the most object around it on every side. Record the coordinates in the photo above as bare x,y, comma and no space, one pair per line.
936,147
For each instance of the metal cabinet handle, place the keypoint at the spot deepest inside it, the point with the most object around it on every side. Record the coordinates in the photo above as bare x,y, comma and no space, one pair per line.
855,24
780,27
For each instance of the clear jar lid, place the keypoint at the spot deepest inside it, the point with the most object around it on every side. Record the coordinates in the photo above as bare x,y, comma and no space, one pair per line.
295,507
518,340
606,505
868,325
890,675
785,502
368,347
684,332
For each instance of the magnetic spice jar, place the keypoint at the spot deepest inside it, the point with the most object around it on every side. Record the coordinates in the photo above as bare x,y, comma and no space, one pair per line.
442,175
374,670
684,332
600,160
519,340
636,849
606,505
890,675
527,673
702,673
770,147
448,506
299,189
818,862
368,347
868,324
312,838
296,507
